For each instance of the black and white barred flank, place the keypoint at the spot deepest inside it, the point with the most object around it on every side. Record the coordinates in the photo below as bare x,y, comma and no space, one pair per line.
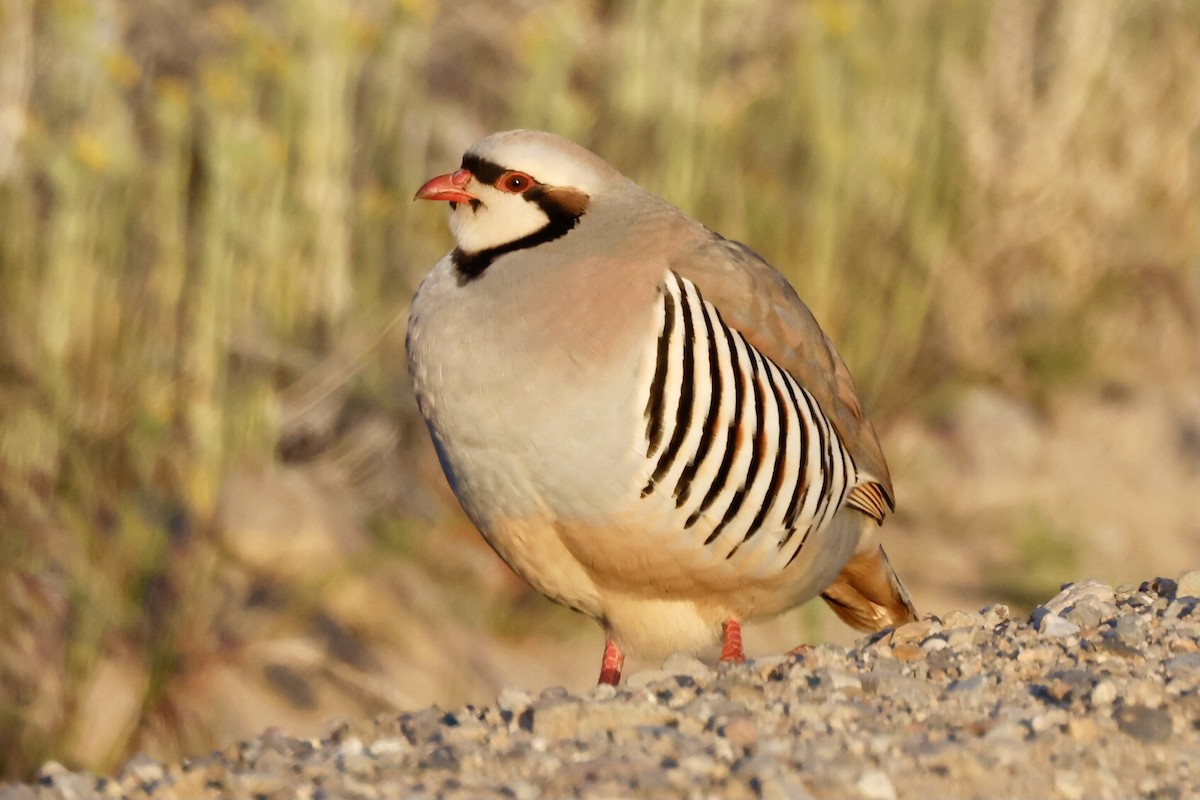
739,444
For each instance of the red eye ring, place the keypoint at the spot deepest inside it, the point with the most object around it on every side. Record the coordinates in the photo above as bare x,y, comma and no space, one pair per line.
515,182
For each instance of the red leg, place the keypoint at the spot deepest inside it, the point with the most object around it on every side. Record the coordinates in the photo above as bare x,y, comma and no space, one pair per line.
731,646
610,666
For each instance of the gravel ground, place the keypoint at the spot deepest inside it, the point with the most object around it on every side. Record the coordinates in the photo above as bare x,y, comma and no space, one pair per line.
1095,695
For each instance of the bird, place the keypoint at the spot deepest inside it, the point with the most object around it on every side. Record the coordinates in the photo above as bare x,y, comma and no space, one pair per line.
642,417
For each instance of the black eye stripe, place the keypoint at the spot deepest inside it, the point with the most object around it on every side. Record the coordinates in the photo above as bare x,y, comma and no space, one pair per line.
486,171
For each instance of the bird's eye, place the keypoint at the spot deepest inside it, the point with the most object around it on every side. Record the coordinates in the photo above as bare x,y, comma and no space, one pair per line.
515,182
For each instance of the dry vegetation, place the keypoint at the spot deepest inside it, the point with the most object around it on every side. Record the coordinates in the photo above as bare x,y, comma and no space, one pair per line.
217,510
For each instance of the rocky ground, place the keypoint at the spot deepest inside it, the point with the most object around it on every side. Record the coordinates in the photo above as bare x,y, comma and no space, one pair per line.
1095,695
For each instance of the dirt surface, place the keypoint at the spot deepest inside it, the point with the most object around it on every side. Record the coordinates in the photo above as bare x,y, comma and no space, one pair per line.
1095,695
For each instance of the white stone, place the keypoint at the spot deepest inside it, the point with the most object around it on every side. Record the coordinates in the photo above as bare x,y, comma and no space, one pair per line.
388,747
1104,693
1052,624
1073,593
843,681
934,643
1188,584
1068,784
513,699
874,784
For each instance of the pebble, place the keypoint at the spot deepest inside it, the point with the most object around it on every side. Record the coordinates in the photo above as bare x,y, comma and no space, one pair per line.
1149,725
1083,729
779,787
1093,695
963,619
995,614
913,632
142,769
844,681
1145,692
906,652
934,643
1104,693
1088,590
1130,630
1188,585
1068,784
1181,608
513,699
1051,624
875,785
1038,654
1187,665
970,687
1087,613
741,731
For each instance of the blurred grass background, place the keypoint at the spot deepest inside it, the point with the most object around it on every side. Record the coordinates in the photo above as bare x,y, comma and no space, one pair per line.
218,510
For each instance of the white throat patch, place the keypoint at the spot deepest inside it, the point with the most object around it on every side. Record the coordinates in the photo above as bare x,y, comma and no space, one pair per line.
497,220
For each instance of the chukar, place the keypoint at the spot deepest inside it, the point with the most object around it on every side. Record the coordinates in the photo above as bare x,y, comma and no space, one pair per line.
641,417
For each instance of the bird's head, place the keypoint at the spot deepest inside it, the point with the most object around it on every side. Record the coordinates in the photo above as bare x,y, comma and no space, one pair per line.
517,189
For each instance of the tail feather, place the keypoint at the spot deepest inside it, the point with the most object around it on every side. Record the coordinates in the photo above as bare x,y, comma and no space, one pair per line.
868,594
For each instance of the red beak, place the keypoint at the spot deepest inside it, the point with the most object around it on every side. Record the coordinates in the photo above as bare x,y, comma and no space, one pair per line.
448,188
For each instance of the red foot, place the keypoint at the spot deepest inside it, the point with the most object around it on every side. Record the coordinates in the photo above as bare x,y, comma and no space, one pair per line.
731,647
610,666
800,650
